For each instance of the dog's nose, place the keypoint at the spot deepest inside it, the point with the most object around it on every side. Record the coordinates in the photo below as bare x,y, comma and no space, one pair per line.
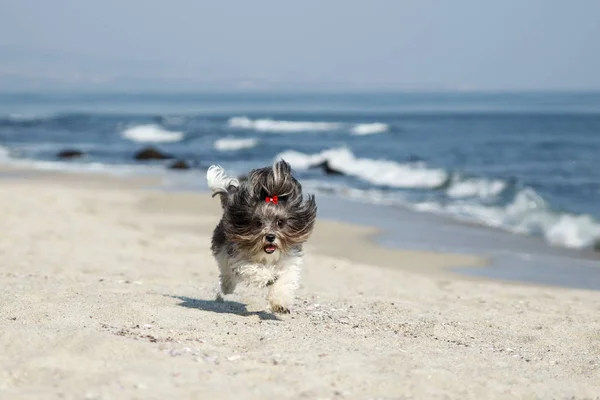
270,238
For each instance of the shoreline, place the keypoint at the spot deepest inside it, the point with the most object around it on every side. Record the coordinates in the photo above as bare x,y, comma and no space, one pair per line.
511,258
482,253
200,203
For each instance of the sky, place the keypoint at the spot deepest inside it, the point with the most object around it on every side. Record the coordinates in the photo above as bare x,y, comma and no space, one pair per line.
275,45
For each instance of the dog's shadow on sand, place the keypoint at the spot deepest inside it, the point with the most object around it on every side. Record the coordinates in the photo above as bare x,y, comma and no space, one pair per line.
222,307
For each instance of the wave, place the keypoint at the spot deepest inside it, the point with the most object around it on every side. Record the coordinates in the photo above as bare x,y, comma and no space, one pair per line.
475,187
528,213
491,202
369,129
270,125
151,133
377,172
231,144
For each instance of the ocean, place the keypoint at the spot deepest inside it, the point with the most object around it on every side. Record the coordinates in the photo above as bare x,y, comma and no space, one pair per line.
526,163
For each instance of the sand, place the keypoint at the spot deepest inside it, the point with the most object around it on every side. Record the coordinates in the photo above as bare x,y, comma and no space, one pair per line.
107,292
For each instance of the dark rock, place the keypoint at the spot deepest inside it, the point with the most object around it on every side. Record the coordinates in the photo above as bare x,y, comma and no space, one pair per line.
179,164
150,153
328,169
70,153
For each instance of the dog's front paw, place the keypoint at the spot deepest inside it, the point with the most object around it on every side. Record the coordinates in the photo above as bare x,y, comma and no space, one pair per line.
278,308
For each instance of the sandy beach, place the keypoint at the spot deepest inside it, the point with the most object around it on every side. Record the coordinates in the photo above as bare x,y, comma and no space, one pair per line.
108,287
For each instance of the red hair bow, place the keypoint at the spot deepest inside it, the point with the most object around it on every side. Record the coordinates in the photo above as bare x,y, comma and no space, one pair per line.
273,200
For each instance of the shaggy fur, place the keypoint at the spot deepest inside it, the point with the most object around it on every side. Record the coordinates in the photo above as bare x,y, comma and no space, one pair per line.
251,227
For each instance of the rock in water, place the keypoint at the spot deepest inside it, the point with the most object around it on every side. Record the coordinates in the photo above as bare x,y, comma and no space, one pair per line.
70,153
328,169
151,153
179,164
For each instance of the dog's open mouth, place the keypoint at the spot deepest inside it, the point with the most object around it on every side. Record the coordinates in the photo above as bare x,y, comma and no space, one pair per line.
270,248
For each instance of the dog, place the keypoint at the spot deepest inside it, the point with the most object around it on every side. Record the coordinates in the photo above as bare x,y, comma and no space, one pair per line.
259,240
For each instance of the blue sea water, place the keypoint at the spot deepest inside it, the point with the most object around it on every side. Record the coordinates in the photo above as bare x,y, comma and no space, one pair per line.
526,163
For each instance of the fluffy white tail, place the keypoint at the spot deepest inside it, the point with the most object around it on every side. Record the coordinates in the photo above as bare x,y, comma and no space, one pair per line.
218,182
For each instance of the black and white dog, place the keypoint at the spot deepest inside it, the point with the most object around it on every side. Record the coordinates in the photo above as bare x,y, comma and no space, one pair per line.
266,220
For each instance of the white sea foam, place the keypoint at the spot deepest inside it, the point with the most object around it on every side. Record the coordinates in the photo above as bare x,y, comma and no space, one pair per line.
378,172
369,129
529,214
300,160
270,125
476,187
577,231
151,133
231,144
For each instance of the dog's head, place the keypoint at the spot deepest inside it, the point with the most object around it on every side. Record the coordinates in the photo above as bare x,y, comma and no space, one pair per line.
267,214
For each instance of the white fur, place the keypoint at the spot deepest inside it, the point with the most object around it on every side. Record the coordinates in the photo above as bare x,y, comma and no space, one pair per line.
218,181
281,273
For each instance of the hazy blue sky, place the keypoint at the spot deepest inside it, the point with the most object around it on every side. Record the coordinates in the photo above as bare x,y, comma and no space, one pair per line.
394,44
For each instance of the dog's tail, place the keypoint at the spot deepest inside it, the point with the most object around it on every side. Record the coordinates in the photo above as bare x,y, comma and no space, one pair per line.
220,184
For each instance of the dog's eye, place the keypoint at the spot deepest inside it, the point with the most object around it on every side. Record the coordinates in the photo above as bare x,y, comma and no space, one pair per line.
280,223
258,223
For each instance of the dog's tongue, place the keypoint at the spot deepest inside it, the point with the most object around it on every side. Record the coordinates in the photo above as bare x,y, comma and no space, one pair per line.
270,248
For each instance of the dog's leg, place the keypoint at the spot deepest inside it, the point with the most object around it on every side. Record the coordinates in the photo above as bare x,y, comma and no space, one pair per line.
227,279
281,292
